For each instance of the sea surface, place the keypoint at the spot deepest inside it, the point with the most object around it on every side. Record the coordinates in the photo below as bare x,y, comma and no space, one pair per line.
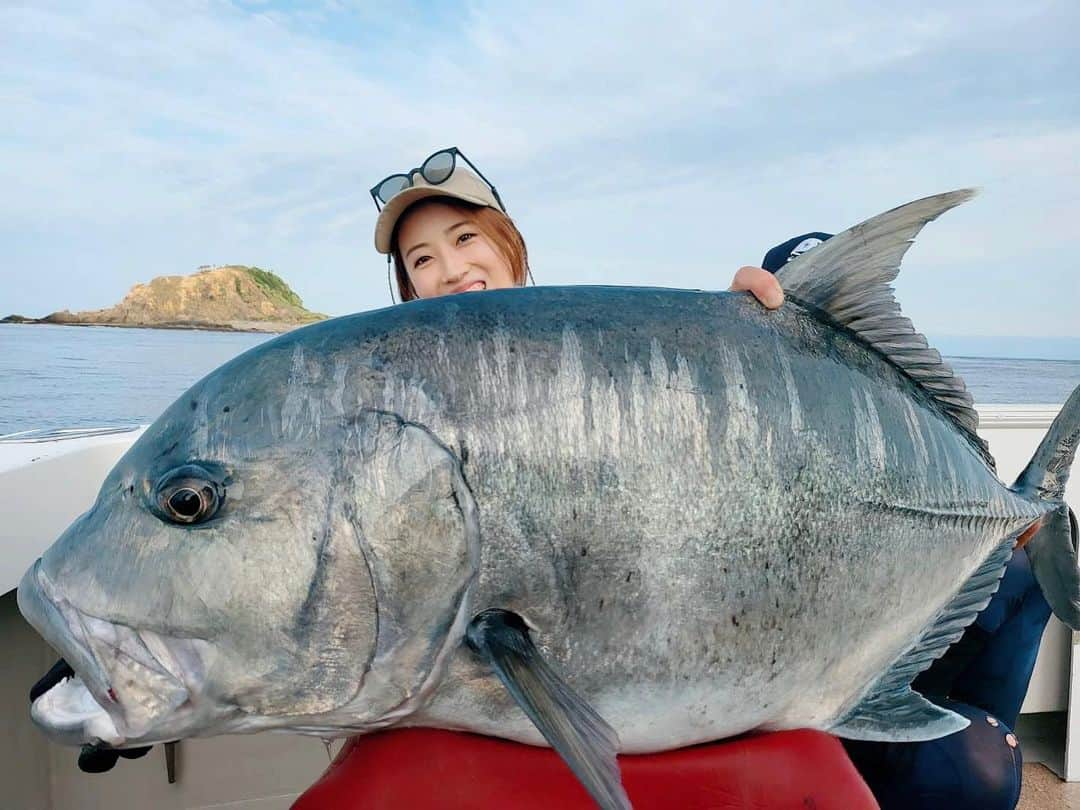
86,376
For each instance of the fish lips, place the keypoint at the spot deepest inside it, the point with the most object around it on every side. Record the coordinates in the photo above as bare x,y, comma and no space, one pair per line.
120,689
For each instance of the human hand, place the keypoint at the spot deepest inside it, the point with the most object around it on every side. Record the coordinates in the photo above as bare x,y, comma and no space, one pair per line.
761,283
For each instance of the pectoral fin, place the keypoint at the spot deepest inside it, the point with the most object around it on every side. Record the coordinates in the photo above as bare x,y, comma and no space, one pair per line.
568,723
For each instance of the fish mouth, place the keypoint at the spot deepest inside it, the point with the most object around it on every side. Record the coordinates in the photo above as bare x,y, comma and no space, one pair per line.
121,687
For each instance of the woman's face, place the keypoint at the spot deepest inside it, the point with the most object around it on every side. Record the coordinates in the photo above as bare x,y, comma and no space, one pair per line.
444,252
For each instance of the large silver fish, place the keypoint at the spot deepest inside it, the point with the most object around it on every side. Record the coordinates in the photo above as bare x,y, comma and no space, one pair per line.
608,518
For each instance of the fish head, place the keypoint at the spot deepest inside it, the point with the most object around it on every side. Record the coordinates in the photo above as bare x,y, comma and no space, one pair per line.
243,570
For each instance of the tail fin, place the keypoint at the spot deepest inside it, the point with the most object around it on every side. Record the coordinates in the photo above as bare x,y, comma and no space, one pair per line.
1053,550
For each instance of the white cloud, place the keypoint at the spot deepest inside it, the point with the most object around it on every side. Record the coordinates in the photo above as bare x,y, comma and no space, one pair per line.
967,273
635,143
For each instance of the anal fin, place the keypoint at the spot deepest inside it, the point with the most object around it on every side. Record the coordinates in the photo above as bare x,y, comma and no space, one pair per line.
573,728
890,710
905,716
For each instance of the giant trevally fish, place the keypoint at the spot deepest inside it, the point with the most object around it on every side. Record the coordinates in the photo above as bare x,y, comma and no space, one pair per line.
611,519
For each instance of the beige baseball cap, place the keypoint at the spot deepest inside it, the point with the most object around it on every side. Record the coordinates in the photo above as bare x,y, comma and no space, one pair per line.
462,184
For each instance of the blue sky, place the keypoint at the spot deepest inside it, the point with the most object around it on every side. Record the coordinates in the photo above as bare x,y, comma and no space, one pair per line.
634,144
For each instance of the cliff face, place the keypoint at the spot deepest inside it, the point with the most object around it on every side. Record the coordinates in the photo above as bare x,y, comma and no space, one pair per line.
231,297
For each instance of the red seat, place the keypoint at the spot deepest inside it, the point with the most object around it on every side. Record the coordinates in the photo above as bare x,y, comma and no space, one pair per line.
427,768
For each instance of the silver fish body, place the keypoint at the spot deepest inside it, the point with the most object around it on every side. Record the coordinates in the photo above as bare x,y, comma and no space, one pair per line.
716,518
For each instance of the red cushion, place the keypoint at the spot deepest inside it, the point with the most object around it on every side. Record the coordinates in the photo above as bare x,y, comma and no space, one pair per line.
448,770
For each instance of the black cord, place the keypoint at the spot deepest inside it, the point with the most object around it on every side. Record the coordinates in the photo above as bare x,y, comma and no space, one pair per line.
389,283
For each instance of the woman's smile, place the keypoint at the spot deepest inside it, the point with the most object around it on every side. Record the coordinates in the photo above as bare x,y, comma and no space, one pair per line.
470,286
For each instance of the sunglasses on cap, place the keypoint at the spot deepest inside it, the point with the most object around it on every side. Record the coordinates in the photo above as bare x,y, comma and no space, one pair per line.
436,169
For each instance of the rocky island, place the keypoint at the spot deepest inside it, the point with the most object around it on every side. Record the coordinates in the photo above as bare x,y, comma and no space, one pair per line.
229,298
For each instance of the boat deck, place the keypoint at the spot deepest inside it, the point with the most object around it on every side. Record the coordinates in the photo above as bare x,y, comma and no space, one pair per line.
1043,790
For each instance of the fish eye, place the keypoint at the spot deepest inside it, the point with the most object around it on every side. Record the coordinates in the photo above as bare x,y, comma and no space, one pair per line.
188,495
187,503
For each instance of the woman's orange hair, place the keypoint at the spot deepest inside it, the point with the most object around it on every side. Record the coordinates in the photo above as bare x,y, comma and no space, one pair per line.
496,227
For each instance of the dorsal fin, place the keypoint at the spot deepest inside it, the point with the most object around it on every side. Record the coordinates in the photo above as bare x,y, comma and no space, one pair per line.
848,278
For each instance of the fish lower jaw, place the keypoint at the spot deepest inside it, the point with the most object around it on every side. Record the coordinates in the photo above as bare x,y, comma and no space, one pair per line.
70,715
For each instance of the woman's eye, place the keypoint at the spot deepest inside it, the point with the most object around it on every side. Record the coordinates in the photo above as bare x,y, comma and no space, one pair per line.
422,260
465,237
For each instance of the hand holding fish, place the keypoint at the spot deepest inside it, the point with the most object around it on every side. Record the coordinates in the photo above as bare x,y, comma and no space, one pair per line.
761,283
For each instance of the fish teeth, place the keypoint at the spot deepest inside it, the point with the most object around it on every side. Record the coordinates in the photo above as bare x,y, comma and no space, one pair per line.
120,640
147,694
158,648
142,686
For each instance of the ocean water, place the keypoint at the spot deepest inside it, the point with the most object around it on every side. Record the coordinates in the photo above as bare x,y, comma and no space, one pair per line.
70,376
83,376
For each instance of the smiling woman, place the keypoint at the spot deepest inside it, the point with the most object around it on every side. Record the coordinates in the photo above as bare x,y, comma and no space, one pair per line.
447,230
443,246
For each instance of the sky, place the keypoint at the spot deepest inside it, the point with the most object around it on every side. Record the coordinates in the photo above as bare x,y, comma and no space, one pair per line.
654,144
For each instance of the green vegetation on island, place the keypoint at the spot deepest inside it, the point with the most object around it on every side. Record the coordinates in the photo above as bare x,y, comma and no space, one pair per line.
274,286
